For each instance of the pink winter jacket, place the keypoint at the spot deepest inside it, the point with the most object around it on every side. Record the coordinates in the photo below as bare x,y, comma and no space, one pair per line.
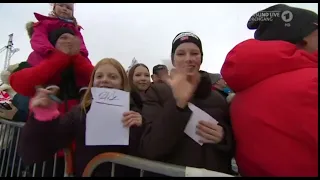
39,40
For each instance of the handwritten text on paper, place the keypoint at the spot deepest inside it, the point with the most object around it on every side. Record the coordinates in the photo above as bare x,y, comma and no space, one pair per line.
103,123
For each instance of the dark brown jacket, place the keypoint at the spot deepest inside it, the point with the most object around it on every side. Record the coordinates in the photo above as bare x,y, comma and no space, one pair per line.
164,138
40,140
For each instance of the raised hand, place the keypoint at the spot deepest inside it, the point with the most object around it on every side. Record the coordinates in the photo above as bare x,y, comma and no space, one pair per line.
64,46
183,86
75,46
41,99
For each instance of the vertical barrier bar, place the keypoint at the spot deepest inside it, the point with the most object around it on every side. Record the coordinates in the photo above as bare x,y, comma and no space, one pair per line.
112,169
2,134
34,170
43,169
10,147
54,165
24,174
15,152
4,145
141,172
19,167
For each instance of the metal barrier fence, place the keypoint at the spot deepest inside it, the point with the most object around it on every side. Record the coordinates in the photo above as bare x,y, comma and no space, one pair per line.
11,164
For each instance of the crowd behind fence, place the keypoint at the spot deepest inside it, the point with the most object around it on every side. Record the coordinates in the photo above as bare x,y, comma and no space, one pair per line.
11,164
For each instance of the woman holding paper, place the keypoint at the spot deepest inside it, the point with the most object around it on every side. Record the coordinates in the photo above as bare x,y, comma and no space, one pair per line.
47,131
186,123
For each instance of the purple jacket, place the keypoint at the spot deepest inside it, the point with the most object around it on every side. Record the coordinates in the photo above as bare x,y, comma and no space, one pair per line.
40,43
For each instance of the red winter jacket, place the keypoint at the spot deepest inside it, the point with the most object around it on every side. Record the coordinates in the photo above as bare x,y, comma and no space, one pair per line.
49,72
275,111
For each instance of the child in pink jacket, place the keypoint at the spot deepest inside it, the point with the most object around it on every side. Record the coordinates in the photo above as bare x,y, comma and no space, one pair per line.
61,16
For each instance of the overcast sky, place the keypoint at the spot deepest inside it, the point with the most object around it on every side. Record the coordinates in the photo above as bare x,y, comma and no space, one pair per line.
144,31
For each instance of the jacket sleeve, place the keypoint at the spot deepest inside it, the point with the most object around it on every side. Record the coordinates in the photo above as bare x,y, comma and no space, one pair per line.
309,112
135,132
83,70
228,143
39,40
25,80
83,48
22,104
20,116
39,140
164,125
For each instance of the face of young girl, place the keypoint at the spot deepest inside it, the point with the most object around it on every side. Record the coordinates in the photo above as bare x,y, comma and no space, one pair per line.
107,76
141,78
64,10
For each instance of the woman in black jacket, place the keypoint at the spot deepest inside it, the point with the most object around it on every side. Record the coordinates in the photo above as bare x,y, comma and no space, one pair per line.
168,108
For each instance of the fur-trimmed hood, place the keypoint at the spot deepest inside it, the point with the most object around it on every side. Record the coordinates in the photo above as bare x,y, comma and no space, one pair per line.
29,28
39,17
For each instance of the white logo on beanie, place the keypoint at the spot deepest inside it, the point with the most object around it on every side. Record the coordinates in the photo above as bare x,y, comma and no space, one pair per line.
287,16
185,34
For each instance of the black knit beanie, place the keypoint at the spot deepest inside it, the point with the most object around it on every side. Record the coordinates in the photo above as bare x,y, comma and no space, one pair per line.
291,25
185,37
55,34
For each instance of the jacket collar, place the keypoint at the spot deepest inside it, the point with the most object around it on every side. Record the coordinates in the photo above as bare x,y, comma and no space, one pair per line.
204,87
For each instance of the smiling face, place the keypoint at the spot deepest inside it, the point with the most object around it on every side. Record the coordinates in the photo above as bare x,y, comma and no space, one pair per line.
187,58
141,78
107,76
107,73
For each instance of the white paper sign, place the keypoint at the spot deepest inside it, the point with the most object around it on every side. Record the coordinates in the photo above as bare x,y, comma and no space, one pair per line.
103,121
196,116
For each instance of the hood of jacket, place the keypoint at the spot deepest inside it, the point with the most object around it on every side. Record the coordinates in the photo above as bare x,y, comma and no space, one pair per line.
252,61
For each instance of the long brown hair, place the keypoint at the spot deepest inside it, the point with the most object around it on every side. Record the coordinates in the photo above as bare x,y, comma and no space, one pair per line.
87,98
130,75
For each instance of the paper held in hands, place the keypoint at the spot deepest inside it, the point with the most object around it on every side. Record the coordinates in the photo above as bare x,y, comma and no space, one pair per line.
103,122
197,115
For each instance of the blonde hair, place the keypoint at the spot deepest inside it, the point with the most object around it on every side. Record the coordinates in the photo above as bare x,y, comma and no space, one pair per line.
87,98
